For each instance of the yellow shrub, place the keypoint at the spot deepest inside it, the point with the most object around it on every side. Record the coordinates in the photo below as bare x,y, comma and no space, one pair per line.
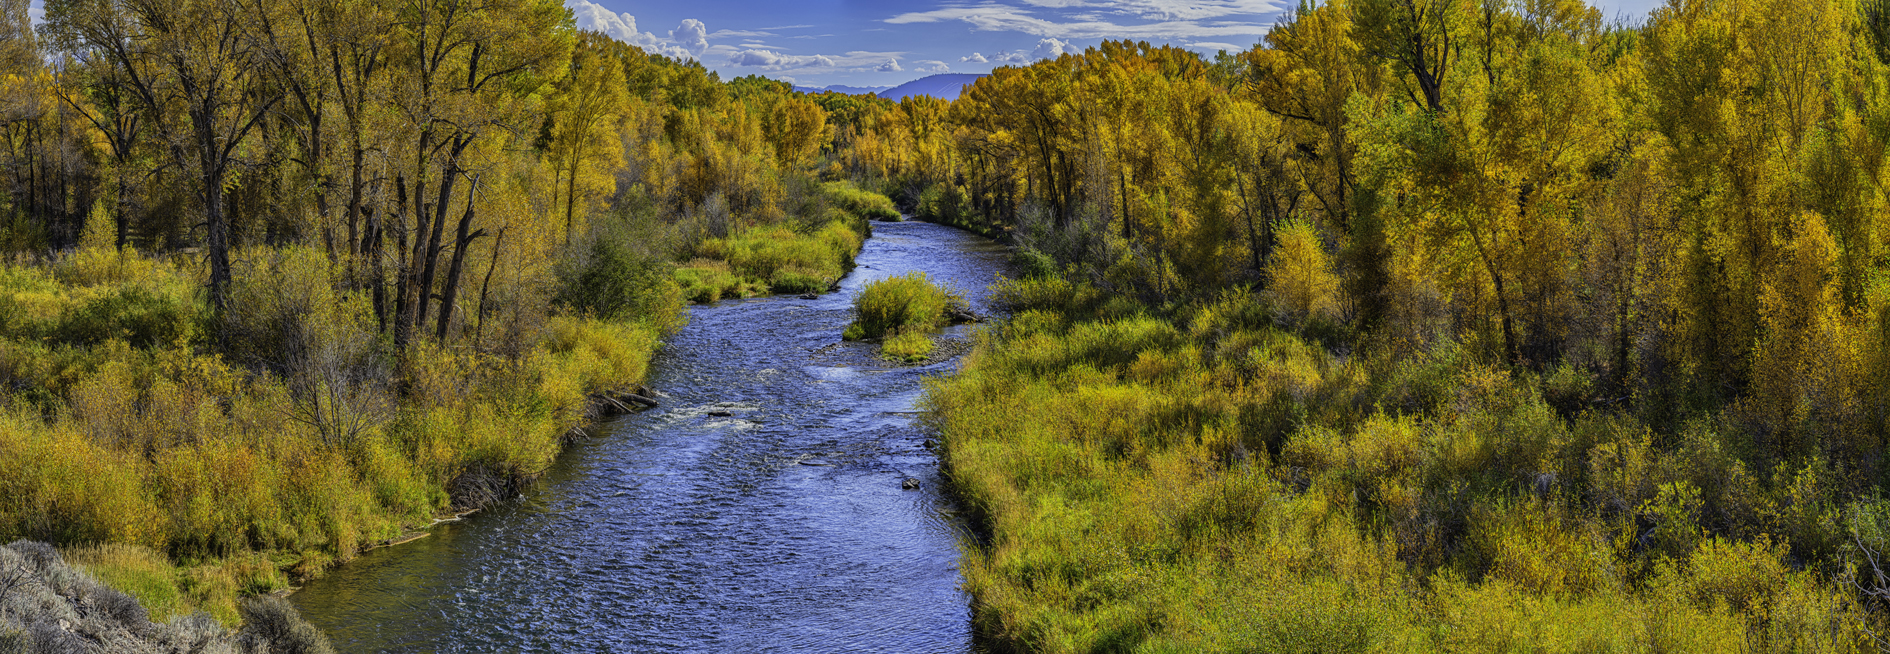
1300,275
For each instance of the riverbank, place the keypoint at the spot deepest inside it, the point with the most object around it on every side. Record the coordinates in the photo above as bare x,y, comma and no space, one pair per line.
221,472
1203,478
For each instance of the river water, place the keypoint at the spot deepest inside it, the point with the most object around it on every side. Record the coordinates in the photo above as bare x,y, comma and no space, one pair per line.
759,509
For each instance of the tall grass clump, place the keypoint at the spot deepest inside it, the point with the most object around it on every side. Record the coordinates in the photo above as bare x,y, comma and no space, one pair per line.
852,199
906,303
907,346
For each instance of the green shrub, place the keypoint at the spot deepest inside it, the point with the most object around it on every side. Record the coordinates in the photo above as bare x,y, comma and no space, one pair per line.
906,302
863,203
134,314
707,280
907,346
772,258
948,204
1033,264
791,281
614,283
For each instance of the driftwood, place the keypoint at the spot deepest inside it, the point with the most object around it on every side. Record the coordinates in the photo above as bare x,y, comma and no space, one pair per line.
616,403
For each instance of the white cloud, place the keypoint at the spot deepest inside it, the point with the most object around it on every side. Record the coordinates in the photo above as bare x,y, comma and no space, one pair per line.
36,12
774,60
623,27
1212,46
994,17
930,66
1052,48
723,34
1046,49
1165,9
691,35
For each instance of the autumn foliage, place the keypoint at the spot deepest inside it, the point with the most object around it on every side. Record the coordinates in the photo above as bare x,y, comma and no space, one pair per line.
1427,325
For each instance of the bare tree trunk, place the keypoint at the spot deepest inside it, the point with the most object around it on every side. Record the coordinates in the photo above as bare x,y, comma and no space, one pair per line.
461,242
485,288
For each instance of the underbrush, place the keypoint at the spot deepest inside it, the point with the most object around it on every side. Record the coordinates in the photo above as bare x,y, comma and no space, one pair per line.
903,305
770,259
808,255
55,602
1198,478
867,204
191,473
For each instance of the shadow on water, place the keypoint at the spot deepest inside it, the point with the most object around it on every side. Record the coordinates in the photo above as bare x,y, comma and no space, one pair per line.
759,509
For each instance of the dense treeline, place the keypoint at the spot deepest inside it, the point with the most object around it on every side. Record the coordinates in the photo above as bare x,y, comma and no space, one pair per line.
288,278
1429,324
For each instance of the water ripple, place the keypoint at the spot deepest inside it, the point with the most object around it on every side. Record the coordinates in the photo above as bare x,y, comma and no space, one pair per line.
758,510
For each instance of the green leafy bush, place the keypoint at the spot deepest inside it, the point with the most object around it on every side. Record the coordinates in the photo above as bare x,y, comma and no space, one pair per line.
906,302
863,203
769,259
615,283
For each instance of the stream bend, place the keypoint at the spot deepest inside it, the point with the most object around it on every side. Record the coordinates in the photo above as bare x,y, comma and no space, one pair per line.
759,509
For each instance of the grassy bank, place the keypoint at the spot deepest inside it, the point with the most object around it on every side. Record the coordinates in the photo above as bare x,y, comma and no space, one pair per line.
50,603
789,257
1204,478
199,471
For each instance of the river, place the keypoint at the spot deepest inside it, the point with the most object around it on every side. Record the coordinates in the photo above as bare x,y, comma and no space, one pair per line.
759,509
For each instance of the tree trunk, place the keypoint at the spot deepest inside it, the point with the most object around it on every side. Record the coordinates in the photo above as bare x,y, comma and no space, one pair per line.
485,288
461,240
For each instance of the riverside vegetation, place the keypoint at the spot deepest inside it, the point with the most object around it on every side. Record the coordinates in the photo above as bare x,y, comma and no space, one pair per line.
901,312
1422,325
286,280
1428,325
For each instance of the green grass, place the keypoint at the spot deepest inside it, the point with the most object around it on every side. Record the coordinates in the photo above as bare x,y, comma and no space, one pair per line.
867,204
769,259
909,302
1196,479
907,347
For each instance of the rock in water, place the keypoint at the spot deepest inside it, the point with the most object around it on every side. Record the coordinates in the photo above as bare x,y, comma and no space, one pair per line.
909,484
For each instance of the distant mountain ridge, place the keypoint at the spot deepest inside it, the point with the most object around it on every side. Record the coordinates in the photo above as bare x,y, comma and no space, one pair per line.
945,87
842,88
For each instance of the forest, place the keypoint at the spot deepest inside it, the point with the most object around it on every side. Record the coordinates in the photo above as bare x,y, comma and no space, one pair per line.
1429,325
1422,325
286,281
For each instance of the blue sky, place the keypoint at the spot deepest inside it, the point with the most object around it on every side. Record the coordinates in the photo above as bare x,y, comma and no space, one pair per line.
889,42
